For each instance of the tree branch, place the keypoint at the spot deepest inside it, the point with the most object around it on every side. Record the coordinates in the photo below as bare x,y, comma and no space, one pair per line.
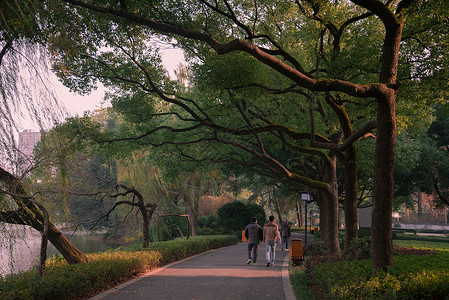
358,90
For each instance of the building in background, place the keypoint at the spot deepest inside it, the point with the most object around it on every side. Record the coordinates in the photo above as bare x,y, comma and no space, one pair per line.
27,141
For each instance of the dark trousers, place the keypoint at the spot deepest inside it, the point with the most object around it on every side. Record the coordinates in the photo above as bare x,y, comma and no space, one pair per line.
285,240
252,248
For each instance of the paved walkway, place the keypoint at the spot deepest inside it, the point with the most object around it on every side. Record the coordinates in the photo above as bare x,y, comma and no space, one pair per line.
218,274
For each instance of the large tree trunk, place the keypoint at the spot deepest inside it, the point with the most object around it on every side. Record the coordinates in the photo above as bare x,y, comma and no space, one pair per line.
350,205
194,223
333,243
381,228
350,172
64,246
146,221
191,211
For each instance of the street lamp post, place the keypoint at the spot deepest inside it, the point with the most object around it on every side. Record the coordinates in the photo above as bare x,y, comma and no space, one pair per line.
306,198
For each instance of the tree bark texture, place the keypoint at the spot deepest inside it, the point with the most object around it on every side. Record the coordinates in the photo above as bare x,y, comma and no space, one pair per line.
350,171
350,205
333,242
191,212
147,213
381,228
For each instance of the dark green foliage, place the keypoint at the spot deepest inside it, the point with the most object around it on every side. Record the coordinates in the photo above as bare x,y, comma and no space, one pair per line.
438,129
417,274
209,225
234,215
179,249
255,210
165,229
360,248
316,248
408,279
424,162
211,221
364,232
63,281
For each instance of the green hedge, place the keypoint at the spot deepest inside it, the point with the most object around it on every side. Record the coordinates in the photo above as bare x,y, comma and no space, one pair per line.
422,238
104,270
174,251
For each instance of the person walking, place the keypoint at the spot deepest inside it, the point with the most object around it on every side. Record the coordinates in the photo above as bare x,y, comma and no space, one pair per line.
286,233
270,237
254,235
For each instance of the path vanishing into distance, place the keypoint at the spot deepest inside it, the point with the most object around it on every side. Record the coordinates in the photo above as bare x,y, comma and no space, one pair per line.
217,274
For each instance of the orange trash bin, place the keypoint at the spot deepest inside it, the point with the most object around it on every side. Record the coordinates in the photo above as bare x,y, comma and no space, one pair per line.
243,236
296,251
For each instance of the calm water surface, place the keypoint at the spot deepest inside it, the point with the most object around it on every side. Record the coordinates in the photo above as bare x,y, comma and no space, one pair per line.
20,247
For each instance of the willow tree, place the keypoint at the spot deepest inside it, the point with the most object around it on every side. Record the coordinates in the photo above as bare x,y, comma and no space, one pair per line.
25,91
259,30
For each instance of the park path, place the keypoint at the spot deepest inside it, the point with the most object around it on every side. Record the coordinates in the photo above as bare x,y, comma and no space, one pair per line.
218,274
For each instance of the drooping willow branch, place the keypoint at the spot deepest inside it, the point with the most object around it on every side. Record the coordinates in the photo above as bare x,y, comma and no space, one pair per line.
178,215
44,232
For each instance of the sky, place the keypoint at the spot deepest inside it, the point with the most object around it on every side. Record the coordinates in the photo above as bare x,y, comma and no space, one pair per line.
76,104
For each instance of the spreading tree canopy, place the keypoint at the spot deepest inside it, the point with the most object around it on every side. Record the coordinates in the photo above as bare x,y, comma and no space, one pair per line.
348,53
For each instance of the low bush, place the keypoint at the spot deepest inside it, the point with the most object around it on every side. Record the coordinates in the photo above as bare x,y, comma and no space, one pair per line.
316,248
104,270
360,248
363,232
175,250
208,231
416,274
210,221
297,229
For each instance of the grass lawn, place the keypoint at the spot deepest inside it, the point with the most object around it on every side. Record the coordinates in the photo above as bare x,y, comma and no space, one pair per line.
300,283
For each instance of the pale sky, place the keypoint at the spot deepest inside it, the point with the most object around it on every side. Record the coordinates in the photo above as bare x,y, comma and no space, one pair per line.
77,105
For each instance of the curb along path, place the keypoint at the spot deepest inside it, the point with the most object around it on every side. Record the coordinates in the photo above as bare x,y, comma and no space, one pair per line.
217,274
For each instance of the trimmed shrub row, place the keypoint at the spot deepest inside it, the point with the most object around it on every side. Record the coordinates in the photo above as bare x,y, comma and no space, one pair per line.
104,270
421,238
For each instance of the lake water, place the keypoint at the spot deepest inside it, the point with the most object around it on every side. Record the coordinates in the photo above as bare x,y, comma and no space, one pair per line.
20,247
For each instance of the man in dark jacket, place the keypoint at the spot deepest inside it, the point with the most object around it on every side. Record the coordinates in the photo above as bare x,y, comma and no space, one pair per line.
286,233
254,235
